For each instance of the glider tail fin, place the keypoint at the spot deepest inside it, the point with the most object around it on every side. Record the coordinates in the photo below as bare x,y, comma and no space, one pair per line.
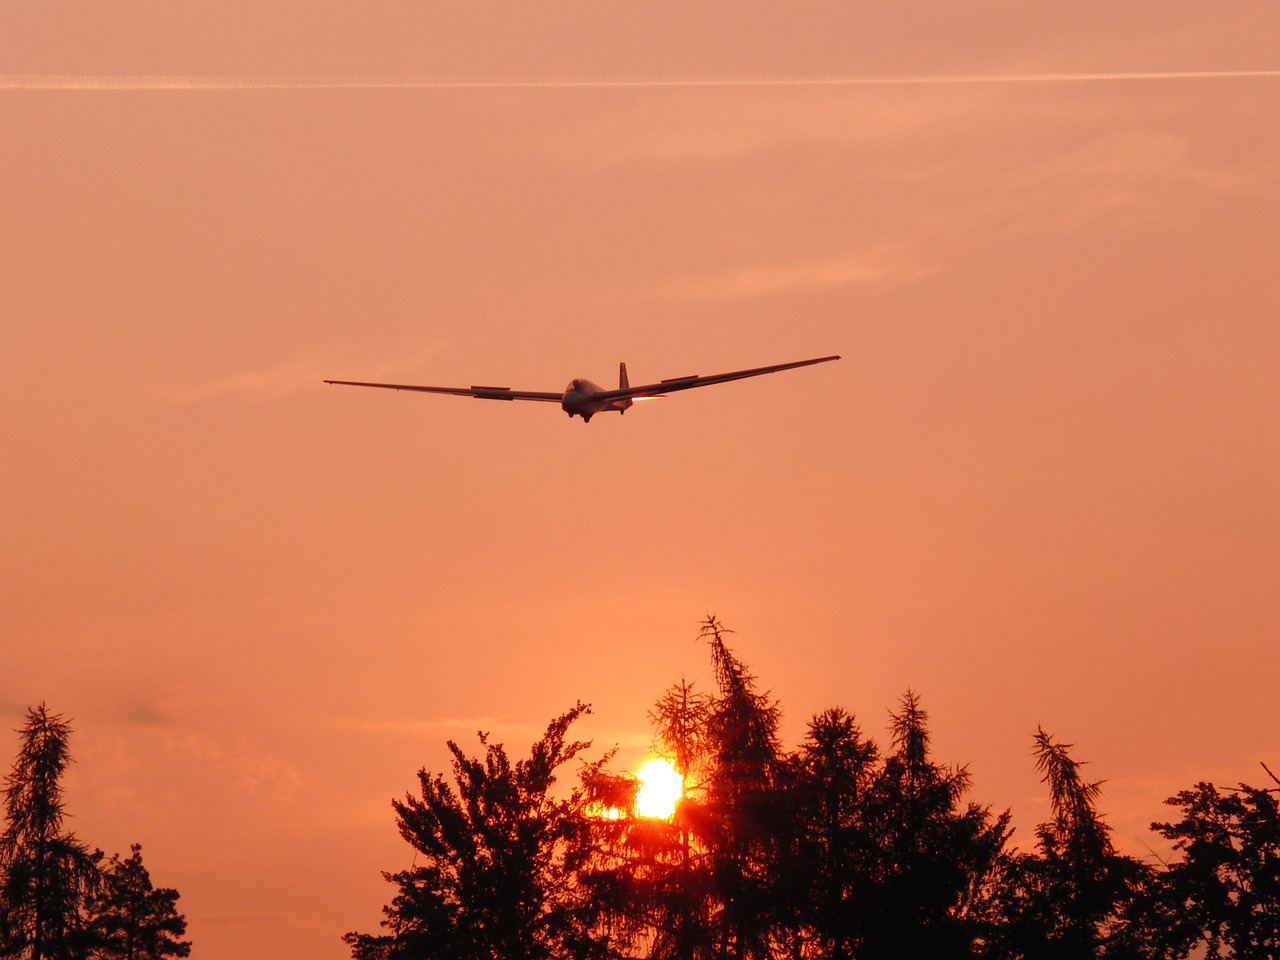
623,384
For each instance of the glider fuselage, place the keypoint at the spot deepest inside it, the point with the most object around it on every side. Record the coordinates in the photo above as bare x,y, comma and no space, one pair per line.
582,399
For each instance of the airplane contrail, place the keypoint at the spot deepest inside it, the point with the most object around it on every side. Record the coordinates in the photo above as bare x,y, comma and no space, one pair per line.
72,82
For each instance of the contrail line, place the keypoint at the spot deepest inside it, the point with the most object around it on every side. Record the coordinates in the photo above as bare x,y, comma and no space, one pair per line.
72,82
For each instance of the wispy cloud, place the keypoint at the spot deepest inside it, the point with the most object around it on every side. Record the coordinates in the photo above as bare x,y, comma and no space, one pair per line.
267,383
1122,177
104,82
883,265
280,379
123,758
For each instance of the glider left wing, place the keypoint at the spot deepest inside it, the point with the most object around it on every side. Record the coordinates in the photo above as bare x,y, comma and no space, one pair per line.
483,393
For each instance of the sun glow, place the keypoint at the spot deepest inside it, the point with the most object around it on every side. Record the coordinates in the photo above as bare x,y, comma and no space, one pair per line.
660,789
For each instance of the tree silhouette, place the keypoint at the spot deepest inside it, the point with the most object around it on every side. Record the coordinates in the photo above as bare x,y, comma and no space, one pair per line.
679,719
133,920
832,777
742,819
1075,897
933,857
1224,894
840,850
498,858
676,872
832,851
681,889
47,873
703,884
647,877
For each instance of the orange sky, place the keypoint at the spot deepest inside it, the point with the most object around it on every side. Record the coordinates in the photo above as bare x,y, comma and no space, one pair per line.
1042,486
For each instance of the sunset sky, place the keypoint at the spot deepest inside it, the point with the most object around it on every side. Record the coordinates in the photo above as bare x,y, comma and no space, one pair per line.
1042,487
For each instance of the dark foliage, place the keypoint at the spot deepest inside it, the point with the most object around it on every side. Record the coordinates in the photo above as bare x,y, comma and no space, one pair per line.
836,850
497,858
1224,894
932,853
840,850
57,900
1075,896
47,873
132,920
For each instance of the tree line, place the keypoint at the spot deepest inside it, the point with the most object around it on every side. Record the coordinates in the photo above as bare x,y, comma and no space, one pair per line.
58,899
843,848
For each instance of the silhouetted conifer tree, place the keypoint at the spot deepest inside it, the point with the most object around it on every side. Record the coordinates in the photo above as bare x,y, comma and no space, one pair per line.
833,774
743,816
679,719
932,857
677,866
705,883
133,920
651,877
1071,899
46,872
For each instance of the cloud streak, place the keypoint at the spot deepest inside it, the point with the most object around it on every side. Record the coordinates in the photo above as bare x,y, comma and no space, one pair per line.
263,384
144,82
270,383
879,266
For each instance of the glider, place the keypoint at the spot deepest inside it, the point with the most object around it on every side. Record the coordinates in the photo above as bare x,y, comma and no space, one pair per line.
584,399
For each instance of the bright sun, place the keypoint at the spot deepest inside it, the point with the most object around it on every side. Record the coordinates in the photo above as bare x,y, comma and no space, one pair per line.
660,787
